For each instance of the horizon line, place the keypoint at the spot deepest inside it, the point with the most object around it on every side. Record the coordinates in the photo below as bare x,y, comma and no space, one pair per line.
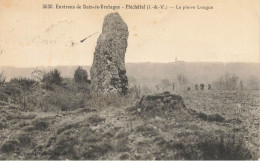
178,62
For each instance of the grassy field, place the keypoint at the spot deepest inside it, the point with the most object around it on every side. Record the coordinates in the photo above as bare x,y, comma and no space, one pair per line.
216,125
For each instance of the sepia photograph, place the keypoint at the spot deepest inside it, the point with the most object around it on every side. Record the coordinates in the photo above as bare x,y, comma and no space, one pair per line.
129,79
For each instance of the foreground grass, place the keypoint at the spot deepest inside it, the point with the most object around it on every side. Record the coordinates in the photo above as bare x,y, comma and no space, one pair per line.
106,129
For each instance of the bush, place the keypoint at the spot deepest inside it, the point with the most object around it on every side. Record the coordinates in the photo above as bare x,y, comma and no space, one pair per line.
9,146
202,86
81,75
60,100
224,148
18,90
95,120
51,78
13,91
209,86
213,117
203,116
226,82
24,83
209,147
216,117
2,78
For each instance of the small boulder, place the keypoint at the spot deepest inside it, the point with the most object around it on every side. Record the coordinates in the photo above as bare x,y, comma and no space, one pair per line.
165,102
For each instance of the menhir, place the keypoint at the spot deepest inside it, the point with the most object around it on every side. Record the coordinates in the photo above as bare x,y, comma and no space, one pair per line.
108,73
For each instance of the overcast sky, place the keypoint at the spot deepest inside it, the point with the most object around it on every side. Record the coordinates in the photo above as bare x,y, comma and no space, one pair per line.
31,36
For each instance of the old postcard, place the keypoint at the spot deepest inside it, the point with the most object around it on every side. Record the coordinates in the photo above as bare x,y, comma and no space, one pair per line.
129,79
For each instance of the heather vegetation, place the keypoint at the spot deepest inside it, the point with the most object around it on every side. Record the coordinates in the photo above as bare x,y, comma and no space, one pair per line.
56,117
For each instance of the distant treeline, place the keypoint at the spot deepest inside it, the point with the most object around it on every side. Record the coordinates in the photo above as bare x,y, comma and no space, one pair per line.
182,82
150,75
195,76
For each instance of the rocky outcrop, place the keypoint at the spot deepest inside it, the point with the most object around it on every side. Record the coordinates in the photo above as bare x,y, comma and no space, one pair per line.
157,103
108,73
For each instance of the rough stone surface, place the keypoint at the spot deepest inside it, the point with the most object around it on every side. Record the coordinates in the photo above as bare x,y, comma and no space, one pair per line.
163,102
108,73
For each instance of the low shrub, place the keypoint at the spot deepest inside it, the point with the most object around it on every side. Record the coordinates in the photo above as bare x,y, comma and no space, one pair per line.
81,75
95,120
9,146
24,83
2,78
229,147
210,147
61,99
52,78
212,117
57,94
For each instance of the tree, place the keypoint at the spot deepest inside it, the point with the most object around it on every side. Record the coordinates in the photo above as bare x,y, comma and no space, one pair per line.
209,86
253,82
233,80
165,83
37,74
196,86
202,86
241,84
182,80
51,78
157,87
227,82
80,75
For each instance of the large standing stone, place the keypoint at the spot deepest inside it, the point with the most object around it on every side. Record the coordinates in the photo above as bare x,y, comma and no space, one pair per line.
108,73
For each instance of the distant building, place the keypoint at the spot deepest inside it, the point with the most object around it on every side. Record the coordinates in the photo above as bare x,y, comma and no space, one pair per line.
178,61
